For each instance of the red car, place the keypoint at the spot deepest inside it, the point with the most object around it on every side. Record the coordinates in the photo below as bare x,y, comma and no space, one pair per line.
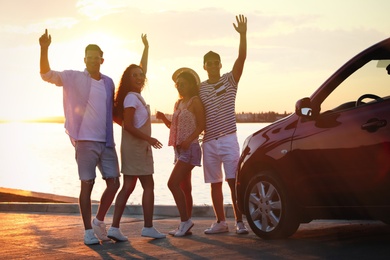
328,160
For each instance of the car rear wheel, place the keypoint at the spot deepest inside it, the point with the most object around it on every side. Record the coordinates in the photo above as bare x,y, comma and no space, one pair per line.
269,210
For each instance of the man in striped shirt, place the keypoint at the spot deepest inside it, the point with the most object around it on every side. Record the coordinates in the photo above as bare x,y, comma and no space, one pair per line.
220,144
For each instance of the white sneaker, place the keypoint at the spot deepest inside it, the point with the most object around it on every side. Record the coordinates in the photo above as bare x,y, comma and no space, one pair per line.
90,238
216,228
184,228
241,228
100,229
116,234
173,232
151,232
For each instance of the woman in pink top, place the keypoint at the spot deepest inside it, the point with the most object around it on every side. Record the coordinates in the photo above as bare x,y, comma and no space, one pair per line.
188,121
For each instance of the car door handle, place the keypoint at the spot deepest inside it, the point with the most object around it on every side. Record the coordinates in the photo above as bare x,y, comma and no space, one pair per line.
373,124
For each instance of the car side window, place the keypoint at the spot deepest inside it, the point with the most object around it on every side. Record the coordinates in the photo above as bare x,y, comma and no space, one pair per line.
372,78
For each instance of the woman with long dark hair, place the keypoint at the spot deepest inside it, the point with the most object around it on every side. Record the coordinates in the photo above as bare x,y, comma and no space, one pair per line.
133,114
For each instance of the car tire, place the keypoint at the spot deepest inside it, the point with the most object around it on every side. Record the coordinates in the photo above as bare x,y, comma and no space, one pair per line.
269,211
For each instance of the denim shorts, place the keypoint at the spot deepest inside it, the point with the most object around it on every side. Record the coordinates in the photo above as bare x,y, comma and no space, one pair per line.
91,154
191,156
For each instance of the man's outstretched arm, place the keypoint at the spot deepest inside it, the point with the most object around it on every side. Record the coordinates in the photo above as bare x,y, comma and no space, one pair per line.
44,42
241,28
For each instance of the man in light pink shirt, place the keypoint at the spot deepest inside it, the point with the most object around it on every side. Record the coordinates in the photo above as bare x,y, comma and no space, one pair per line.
88,103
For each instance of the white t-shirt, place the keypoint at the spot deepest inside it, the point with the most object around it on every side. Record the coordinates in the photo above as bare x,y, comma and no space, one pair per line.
93,126
141,114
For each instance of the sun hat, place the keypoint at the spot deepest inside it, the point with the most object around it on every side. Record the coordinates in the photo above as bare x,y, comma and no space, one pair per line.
184,69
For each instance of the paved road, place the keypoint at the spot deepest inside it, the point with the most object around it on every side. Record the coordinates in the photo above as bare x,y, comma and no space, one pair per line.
54,231
59,236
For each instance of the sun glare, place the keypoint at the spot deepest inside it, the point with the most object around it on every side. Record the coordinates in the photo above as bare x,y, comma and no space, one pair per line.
104,40
98,8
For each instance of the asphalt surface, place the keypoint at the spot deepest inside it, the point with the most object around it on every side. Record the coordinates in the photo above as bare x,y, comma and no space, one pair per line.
38,230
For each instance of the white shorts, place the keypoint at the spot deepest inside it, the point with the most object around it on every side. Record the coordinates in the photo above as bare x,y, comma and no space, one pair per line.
223,150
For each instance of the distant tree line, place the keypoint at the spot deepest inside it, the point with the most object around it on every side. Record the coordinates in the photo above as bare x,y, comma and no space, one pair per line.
244,117
259,117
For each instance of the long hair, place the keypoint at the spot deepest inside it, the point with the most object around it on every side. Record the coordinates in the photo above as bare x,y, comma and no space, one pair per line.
193,85
124,88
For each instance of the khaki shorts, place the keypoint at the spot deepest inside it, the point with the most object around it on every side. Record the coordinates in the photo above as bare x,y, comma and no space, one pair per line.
90,154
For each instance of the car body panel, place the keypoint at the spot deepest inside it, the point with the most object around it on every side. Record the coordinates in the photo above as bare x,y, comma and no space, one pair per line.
341,164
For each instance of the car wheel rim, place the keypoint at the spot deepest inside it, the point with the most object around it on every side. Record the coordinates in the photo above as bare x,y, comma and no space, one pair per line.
265,206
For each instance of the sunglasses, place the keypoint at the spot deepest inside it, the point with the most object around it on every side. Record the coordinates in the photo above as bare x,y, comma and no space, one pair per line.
135,75
181,85
213,63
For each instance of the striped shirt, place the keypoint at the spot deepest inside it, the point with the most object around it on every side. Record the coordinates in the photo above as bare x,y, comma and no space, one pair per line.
219,102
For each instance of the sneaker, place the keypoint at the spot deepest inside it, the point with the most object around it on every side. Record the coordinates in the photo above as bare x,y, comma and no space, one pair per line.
184,228
216,228
151,232
173,232
90,238
241,228
100,229
116,235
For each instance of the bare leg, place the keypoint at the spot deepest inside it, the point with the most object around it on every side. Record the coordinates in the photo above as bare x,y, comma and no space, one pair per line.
129,183
179,175
237,212
147,199
217,198
112,186
186,187
85,202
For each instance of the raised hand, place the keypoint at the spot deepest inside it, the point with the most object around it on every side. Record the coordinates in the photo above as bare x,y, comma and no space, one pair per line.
145,40
45,40
145,53
241,24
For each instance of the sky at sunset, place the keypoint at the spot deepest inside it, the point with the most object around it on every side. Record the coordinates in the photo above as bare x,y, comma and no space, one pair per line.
293,46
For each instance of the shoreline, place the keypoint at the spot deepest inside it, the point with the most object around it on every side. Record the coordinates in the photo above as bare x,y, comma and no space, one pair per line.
15,200
17,195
